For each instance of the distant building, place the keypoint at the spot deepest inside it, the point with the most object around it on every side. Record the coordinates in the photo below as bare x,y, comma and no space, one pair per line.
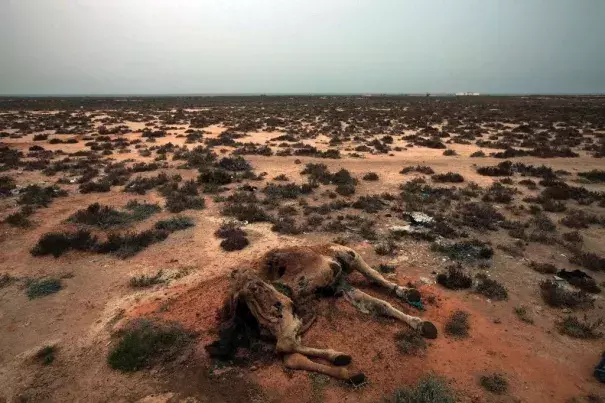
463,94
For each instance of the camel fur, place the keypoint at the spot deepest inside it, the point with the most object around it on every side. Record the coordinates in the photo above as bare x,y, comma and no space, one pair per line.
268,297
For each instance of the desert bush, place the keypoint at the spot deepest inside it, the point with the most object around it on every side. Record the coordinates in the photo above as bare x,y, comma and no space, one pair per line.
173,224
458,325
494,383
576,328
46,355
287,191
523,314
387,247
131,243
101,186
478,154
542,222
20,218
450,177
423,169
455,278
56,243
530,184
505,168
345,189
581,219
554,206
559,297
248,211
369,204
480,216
343,177
497,193
7,184
410,342
141,185
588,260
544,268
596,175
234,164
465,250
144,343
100,216
234,238
140,211
431,143
215,176
370,176
38,288
573,237
281,178
450,152
286,225
145,280
429,389
177,202
491,288
317,173
39,196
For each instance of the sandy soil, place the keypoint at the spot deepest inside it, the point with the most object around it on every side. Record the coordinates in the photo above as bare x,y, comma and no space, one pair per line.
540,364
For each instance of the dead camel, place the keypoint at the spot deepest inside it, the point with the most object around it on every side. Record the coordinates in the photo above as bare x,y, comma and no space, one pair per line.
298,273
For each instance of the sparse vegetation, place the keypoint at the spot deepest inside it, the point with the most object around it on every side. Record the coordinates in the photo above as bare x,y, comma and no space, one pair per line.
46,355
574,327
37,288
410,342
523,314
494,383
144,343
458,324
173,224
455,278
145,280
491,288
430,389
559,297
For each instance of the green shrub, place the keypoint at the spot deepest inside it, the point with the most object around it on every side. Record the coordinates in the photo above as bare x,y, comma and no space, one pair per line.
457,325
144,343
574,327
491,288
495,383
173,224
46,355
146,281
559,297
129,244
57,243
430,389
38,288
410,342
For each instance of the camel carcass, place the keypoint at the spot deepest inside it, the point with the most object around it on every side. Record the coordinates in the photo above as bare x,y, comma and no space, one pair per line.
272,291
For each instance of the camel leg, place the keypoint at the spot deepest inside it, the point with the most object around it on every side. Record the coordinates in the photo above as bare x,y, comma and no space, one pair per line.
366,303
300,362
356,262
335,357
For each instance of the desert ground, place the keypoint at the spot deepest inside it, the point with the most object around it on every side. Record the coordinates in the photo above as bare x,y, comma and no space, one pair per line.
123,218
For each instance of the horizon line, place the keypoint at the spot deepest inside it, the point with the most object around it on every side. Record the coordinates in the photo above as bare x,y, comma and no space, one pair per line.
269,94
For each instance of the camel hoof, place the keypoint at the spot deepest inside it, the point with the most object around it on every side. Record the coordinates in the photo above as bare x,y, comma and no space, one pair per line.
358,379
412,295
428,330
342,360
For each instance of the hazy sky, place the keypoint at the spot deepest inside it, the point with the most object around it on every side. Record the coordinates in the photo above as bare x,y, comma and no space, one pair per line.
301,46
